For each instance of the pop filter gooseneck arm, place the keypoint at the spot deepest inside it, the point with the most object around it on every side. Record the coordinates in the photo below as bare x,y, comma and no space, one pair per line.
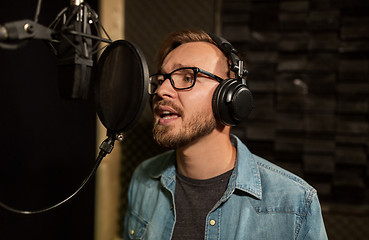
105,148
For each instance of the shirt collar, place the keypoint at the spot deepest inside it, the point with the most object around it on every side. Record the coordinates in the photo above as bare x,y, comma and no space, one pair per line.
166,167
246,176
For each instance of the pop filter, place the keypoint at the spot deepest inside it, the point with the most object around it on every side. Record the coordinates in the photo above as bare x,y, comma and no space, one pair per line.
121,86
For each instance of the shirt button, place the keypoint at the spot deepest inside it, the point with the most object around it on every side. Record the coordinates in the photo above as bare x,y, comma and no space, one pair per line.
132,232
212,222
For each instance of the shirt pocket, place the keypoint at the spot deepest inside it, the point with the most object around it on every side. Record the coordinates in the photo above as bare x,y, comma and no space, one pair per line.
136,227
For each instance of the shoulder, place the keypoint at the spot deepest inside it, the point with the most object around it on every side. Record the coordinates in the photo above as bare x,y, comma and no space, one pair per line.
283,191
287,193
280,175
267,176
276,189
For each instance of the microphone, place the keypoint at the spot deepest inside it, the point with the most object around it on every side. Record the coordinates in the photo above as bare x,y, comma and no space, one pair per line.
74,37
74,53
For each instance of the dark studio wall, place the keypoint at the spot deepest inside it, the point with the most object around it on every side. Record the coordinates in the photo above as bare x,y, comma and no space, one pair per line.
309,72
47,143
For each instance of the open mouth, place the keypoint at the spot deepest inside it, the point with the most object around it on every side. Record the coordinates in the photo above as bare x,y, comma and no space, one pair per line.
168,115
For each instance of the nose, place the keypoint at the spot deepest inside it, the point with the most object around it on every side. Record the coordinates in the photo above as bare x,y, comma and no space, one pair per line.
166,89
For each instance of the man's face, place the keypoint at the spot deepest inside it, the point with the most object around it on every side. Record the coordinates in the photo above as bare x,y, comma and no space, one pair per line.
184,116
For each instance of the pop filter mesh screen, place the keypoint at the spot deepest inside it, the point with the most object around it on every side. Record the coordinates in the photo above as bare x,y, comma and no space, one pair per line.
121,86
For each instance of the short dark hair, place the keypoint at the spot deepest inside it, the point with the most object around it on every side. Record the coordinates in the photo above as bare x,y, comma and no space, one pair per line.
178,38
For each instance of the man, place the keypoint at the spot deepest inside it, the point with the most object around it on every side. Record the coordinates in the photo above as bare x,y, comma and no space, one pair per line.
210,186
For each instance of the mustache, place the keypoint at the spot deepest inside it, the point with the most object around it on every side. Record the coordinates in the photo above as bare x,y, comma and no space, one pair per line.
165,102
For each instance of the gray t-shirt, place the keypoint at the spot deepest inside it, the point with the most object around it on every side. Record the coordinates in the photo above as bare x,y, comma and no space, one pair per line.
193,201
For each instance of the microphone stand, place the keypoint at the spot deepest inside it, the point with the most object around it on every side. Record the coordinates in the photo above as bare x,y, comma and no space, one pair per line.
14,35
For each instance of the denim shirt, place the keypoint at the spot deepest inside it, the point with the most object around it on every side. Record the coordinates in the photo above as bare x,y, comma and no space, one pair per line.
262,201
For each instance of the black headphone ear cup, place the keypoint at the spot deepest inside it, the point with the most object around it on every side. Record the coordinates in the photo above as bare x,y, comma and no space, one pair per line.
232,102
217,105
242,103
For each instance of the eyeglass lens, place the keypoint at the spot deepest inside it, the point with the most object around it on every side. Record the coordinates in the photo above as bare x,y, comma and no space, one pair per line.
182,78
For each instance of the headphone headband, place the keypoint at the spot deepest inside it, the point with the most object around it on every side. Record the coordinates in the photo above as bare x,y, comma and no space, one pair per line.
231,53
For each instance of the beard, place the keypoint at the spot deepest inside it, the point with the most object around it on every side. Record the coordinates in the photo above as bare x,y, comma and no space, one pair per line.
199,125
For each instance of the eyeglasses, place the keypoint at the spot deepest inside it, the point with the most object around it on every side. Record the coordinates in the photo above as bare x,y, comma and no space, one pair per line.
181,78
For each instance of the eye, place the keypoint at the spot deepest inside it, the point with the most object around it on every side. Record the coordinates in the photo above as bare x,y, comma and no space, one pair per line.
188,78
159,79
160,82
187,75
183,78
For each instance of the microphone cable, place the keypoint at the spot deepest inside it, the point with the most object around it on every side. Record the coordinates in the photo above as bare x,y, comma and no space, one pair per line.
105,148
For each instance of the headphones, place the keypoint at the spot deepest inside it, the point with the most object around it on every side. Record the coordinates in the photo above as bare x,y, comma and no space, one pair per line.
232,99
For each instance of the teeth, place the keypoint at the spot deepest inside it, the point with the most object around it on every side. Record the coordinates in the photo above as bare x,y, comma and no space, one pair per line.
170,117
165,114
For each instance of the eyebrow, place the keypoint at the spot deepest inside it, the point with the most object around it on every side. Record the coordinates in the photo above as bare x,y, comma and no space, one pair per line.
176,66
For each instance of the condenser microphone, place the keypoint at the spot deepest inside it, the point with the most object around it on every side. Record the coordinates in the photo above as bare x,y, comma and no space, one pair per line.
74,37
74,52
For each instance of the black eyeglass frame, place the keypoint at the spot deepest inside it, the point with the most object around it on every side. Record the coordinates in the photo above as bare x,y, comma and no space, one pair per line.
196,70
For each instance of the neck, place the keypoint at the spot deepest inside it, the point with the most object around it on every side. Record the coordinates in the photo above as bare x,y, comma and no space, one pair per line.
208,156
